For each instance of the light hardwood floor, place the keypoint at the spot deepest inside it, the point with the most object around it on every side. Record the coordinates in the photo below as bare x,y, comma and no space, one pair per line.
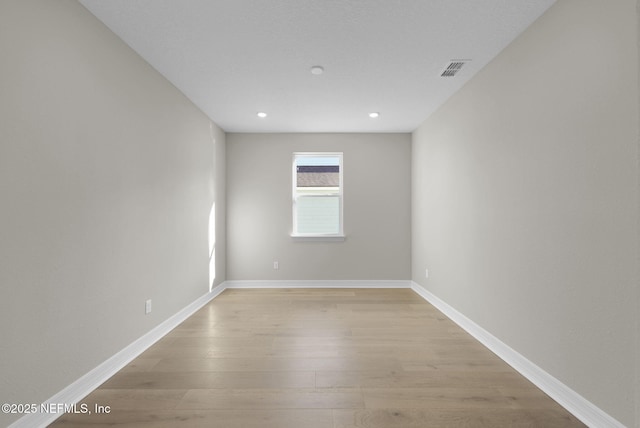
319,358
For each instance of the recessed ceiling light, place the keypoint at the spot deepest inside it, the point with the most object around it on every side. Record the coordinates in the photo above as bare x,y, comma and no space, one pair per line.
262,114
317,70
374,114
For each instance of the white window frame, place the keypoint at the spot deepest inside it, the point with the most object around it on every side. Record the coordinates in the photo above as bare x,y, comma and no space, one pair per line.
317,236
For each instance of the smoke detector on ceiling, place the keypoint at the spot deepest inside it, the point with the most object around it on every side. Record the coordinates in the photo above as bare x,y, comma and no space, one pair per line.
453,67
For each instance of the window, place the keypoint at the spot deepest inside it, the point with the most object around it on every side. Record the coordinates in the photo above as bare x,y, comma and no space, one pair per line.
317,195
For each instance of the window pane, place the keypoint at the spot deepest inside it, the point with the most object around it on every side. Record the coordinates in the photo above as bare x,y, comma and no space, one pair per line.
318,214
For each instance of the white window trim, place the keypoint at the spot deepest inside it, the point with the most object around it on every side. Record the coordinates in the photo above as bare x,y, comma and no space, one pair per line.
318,238
340,236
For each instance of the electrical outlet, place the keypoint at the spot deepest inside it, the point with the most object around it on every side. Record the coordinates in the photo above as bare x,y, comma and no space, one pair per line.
147,306
276,265
426,273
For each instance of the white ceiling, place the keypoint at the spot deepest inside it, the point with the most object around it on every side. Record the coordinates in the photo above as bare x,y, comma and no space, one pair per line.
233,58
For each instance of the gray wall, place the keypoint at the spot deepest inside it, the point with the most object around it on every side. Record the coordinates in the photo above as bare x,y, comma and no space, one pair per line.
106,180
376,208
525,199
637,320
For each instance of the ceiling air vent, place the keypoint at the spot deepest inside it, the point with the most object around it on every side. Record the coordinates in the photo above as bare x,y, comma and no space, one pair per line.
453,67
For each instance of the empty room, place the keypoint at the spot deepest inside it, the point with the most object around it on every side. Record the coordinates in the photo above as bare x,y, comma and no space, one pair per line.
319,213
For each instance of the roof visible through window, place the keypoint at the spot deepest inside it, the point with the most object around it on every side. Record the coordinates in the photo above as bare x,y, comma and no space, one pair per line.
318,176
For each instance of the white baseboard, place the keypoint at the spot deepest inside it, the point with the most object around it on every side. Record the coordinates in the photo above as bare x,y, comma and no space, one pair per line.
349,283
86,384
565,396
82,387
577,405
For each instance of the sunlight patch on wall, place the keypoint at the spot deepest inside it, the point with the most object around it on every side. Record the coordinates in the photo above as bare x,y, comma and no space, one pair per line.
212,245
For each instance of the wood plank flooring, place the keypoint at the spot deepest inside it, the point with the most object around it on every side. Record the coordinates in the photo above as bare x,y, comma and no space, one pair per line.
319,358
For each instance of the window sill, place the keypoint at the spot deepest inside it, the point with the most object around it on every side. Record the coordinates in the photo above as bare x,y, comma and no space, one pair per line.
319,238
